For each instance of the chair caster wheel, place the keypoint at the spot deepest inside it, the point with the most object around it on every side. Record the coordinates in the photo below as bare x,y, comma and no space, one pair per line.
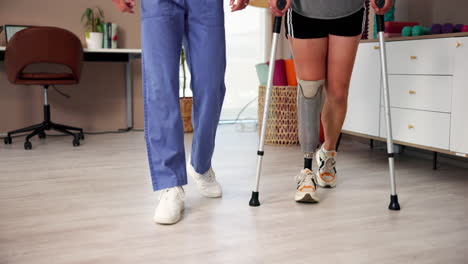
7,140
42,135
76,141
27,145
82,136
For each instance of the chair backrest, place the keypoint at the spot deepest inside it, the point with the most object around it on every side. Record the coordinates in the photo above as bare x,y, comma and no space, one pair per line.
43,45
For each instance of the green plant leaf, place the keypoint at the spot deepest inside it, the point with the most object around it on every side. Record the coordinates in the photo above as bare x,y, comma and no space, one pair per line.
99,28
94,18
89,13
101,13
85,14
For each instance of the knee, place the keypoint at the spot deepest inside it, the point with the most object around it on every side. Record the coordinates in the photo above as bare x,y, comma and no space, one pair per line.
337,93
337,98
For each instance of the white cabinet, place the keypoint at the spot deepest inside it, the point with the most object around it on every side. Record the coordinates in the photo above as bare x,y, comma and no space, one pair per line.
429,56
425,128
363,107
421,92
459,123
428,93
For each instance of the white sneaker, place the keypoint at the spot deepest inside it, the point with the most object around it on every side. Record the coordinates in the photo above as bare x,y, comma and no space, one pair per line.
170,206
326,172
206,182
306,187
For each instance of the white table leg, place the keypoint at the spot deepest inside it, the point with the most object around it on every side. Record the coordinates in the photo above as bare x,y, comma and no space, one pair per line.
129,92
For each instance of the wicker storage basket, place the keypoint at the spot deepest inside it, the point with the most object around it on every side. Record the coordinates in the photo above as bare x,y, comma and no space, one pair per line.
186,111
282,121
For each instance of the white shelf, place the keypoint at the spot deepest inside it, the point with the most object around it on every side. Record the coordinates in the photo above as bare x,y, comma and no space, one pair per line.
112,50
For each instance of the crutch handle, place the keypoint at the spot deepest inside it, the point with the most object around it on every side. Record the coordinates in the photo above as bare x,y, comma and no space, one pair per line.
277,25
281,4
380,18
380,3
380,23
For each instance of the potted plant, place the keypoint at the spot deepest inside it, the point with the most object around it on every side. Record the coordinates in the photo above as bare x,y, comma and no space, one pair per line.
185,102
93,19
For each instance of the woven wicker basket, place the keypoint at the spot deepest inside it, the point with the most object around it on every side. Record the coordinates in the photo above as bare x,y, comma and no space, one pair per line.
186,111
282,121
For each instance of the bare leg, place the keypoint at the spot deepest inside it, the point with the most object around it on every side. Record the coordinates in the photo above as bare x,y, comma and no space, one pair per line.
341,56
310,57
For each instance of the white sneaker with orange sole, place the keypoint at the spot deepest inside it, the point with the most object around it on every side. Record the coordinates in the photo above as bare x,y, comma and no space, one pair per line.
326,172
306,187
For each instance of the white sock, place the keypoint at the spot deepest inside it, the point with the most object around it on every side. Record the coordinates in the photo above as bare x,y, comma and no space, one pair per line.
325,150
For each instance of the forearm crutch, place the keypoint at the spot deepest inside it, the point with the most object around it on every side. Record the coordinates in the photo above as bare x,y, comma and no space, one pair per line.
281,4
394,205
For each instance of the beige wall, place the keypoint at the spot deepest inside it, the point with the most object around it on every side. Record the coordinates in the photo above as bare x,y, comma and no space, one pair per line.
428,12
98,102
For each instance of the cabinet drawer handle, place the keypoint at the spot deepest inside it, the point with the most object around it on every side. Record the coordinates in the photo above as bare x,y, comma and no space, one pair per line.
376,47
410,126
458,44
412,92
413,57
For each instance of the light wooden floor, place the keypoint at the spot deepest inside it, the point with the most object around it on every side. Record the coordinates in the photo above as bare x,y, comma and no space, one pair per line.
94,204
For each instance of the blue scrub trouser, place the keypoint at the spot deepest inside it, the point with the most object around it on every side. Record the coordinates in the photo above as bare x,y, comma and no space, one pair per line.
199,26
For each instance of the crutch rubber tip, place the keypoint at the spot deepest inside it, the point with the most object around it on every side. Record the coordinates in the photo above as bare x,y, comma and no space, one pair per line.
254,199
394,205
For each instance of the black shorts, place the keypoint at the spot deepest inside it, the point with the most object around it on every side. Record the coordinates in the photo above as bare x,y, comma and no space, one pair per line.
301,27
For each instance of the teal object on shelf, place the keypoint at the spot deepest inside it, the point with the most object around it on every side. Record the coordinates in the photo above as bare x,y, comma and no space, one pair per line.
104,35
389,16
419,31
262,73
415,31
407,32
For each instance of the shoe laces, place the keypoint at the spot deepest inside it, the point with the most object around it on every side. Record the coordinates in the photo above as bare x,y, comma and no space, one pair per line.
330,163
166,193
209,176
306,178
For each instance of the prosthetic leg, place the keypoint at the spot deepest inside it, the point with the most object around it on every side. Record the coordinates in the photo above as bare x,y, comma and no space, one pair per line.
309,106
394,205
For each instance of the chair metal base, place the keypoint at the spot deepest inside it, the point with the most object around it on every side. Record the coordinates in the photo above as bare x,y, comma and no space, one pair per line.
39,129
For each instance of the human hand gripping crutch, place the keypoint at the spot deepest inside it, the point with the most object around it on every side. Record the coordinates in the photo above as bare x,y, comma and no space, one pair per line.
394,205
281,4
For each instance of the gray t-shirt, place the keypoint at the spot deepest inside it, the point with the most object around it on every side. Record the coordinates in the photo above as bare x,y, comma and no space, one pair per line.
327,9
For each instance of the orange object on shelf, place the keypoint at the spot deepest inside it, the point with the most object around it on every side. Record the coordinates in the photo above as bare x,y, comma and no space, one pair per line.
290,72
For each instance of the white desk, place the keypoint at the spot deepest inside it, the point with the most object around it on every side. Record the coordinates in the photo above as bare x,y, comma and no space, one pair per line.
102,50
112,55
